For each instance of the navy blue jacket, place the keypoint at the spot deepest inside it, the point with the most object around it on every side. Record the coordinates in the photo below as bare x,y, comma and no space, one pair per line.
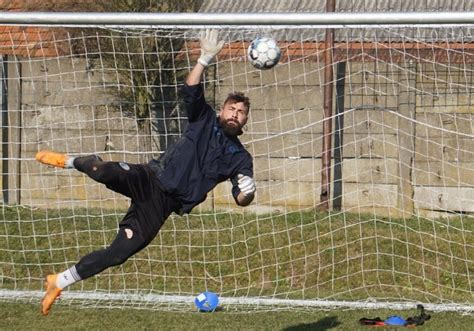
203,157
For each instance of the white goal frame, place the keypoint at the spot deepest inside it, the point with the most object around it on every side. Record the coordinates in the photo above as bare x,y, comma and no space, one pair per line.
203,20
232,19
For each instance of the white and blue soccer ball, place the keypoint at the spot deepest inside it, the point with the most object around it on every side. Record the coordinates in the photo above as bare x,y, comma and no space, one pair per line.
264,53
206,301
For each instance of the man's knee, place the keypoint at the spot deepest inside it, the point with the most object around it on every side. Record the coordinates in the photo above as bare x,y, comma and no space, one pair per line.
118,259
120,253
129,233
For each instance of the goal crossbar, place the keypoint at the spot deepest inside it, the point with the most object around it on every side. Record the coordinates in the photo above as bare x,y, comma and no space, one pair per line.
233,19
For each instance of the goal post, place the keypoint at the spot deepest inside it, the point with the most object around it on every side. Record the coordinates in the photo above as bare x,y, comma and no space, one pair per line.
399,228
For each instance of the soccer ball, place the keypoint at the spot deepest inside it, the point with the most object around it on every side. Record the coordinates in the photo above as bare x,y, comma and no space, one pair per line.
264,53
206,301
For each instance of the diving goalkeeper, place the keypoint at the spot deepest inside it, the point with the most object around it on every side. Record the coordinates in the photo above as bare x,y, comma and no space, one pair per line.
209,152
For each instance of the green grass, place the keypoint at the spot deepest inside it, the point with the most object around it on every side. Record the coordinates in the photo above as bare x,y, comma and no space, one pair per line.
16,316
300,255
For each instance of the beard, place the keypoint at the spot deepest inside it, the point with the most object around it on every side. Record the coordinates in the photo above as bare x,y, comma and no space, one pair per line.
231,128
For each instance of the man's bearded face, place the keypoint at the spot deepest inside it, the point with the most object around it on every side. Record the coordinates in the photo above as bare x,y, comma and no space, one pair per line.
233,117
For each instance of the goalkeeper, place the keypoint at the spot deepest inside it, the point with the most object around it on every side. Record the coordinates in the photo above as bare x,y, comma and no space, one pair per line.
209,152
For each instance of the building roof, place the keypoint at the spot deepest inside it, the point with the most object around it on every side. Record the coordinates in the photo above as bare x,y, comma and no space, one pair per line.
305,6
302,6
43,41
29,41
32,41
408,39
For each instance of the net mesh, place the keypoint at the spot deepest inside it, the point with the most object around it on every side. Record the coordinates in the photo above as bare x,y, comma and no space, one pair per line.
399,227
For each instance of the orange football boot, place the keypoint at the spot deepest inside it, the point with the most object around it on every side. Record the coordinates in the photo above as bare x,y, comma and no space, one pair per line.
52,293
52,158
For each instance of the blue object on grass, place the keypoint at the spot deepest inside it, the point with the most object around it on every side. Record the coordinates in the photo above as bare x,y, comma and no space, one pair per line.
206,301
395,320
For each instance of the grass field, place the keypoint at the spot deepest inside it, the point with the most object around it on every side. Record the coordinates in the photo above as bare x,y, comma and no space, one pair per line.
300,255
15,316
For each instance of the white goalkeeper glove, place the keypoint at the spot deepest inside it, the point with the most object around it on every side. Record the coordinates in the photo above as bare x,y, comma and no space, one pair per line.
210,46
246,184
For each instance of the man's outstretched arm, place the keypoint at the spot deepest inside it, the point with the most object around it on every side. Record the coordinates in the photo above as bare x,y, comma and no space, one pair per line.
195,75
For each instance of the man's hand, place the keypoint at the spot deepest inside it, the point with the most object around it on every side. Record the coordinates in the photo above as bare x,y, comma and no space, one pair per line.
210,46
246,185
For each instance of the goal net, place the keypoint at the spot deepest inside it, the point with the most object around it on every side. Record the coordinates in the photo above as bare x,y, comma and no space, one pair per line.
399,227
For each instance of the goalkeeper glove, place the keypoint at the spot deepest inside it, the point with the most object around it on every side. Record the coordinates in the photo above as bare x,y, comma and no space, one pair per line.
210,46
246,184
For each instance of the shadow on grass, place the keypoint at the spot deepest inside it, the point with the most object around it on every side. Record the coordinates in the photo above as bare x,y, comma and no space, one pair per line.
325,323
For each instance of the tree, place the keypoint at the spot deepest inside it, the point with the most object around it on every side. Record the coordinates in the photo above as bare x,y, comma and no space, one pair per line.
142,64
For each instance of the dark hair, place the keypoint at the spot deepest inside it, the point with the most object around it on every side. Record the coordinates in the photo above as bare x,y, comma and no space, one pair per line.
236,97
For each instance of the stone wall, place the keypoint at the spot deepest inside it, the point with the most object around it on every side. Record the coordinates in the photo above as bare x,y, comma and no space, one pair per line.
421,161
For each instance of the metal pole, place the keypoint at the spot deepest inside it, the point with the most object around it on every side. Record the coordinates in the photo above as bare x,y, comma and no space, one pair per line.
338,136
5,178
257,19
327,111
